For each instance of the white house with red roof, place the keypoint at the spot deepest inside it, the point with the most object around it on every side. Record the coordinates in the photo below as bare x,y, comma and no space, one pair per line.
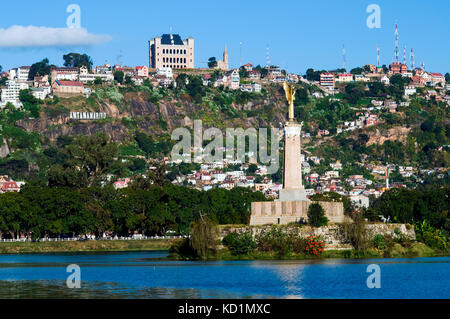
437,78
142,71
327,80
9,186
248,67
345,77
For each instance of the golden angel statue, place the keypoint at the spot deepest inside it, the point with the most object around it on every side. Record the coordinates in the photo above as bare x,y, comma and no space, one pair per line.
289,89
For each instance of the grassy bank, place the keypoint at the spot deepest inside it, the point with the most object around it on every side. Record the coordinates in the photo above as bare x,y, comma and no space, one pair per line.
86,246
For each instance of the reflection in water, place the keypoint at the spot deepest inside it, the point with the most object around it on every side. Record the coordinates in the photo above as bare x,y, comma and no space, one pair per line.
140,275
291,276
45,289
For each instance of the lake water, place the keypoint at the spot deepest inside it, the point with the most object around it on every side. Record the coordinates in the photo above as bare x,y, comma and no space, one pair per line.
141,275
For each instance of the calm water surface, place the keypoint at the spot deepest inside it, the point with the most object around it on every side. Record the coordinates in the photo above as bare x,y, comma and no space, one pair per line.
141,275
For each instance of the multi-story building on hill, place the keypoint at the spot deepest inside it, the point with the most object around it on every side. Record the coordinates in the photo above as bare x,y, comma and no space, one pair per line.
398,67
327,80
169,51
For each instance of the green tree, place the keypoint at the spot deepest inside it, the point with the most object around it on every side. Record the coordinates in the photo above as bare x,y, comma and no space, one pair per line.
77,60
243,73
316,215
87,160
354,91
30,103
40,68
119,76
212,62
204,235
357,70
447,77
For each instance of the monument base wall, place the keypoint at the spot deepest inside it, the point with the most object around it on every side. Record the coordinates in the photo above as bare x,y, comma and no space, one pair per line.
291,195
264,213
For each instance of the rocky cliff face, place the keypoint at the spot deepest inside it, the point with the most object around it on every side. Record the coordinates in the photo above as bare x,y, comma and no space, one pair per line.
155,119
394,134
4,149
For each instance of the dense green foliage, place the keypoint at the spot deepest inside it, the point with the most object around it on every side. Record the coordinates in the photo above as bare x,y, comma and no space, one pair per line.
316,215
426,209
39,211
239,244
203,237
279,241
411,206
40,68
77,60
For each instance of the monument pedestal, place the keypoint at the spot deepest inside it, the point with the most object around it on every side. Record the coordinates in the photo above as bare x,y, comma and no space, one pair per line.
292,195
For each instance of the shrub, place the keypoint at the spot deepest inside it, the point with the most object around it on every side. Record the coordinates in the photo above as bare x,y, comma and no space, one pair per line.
239,244
379,242
298,243
314,245
182,249
275,240
204,234
316,215
430,236
355,231
281,242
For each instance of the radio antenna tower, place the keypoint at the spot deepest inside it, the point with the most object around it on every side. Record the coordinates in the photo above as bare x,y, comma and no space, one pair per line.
268,55
119,58
404,55
378,56
396,42
240,54
423,66
412,59
344,58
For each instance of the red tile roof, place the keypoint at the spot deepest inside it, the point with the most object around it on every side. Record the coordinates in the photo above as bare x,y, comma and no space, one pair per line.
8,186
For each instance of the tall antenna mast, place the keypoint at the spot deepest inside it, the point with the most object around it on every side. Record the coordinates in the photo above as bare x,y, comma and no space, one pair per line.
344,59
396,42
240,54
404,55
412,59
423,66
378,56
267,55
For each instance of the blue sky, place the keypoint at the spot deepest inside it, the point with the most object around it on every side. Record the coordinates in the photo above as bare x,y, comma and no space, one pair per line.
301,34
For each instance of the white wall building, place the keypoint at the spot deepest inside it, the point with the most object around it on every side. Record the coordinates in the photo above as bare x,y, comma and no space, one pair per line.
165,71
22,73
170,50
11,93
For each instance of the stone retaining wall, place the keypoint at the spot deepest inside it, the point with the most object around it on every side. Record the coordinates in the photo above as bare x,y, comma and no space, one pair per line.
332,235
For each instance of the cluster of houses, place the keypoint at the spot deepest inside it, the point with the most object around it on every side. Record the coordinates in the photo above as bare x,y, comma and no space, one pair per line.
7,184
419,78
62,82
228,174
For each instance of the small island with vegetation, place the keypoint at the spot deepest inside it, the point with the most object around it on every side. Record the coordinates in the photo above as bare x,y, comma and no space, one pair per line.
418,233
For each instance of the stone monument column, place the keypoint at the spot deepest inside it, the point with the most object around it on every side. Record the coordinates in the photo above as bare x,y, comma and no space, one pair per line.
293,189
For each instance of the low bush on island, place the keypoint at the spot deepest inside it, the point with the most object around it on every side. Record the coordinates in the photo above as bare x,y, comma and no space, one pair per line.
316,215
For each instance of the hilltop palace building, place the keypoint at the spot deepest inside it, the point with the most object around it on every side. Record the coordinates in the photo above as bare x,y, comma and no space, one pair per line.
169,51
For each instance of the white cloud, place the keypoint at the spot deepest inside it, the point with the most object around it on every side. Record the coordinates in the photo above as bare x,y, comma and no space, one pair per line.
38,37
